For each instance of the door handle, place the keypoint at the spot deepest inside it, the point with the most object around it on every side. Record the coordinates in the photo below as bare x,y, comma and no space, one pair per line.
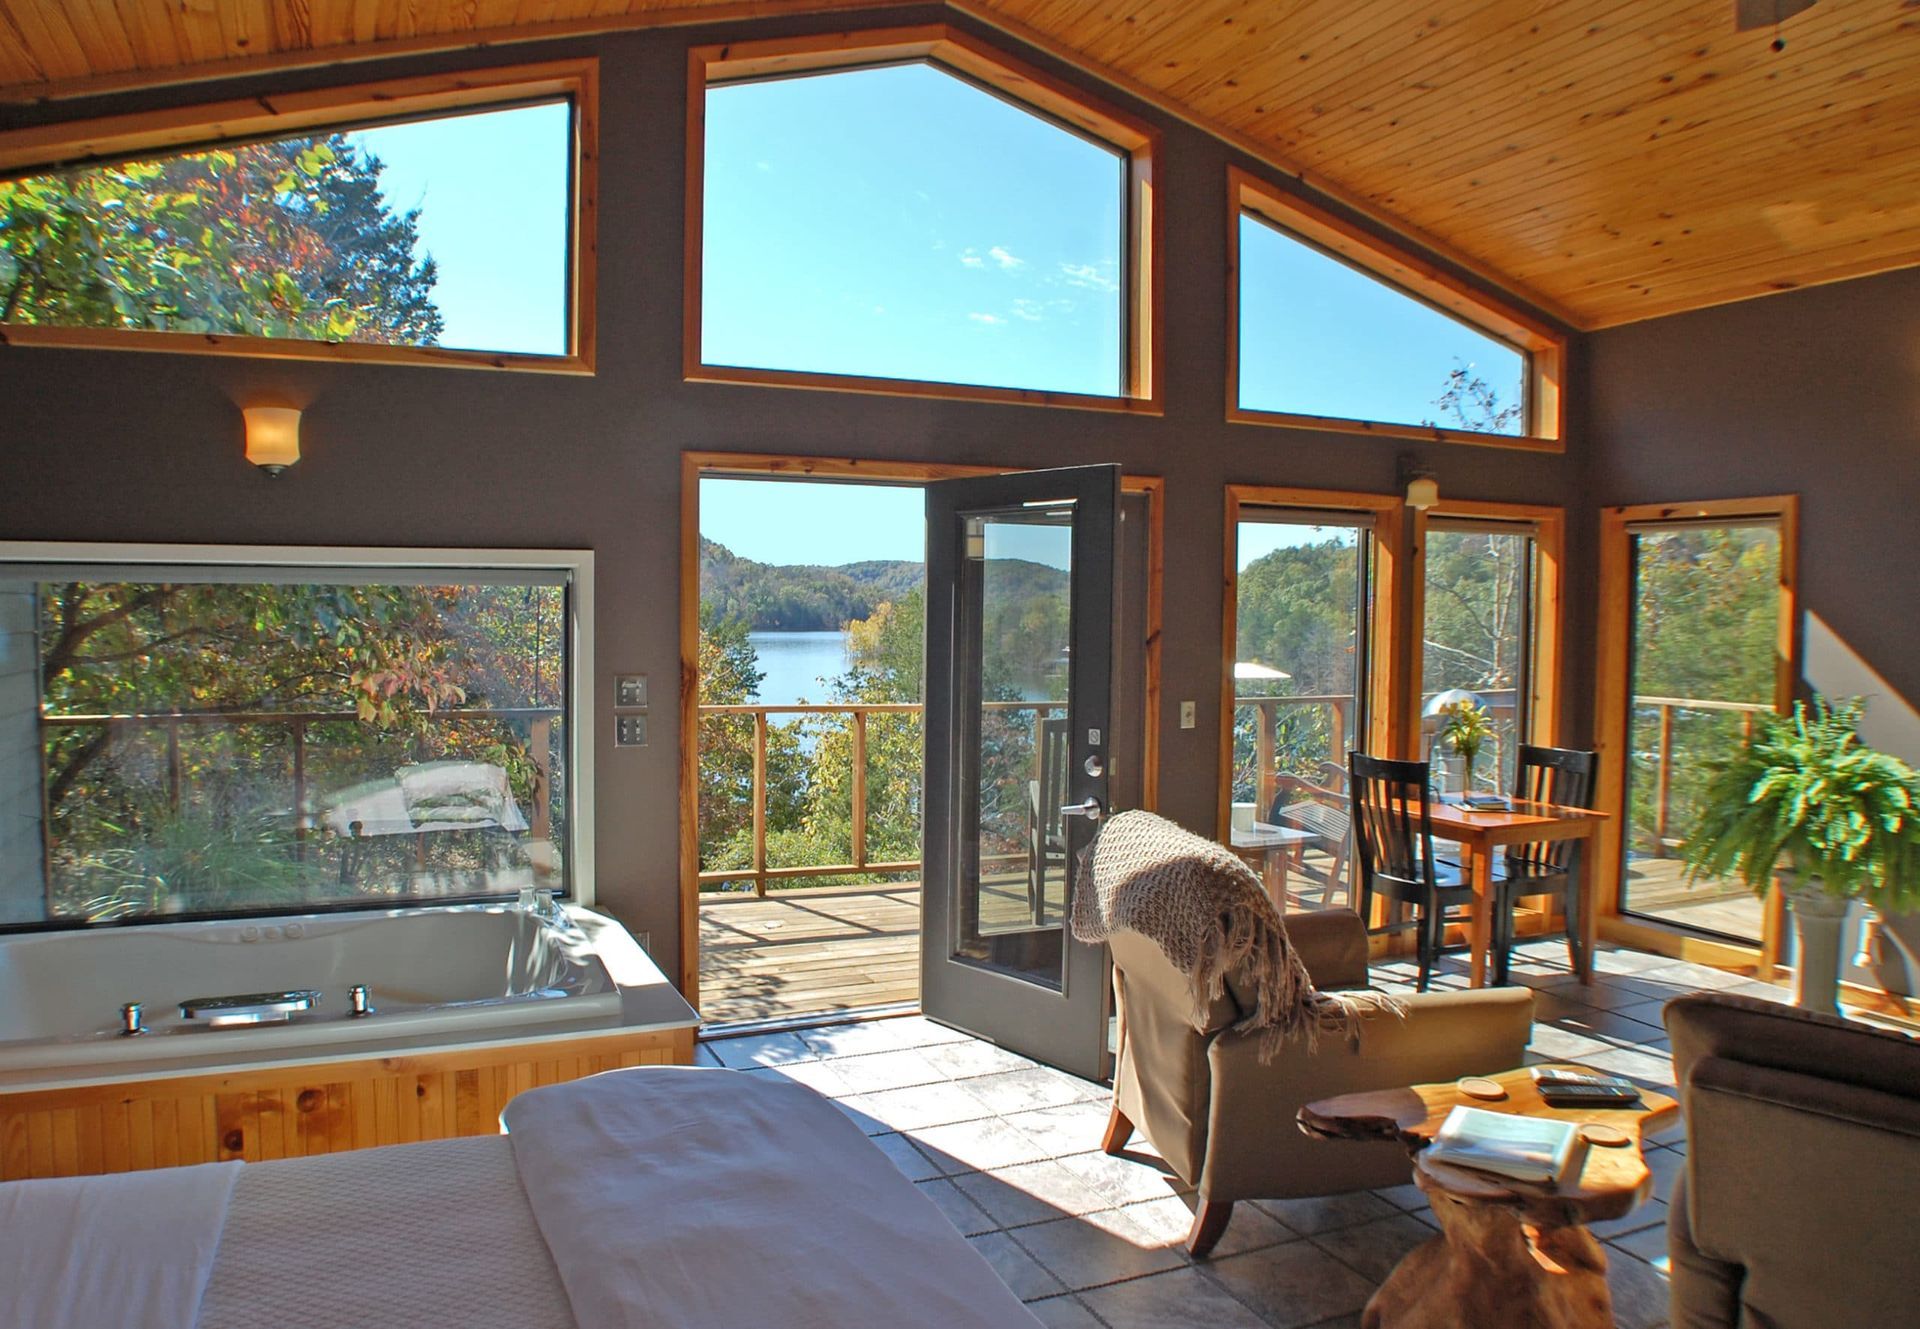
1090,809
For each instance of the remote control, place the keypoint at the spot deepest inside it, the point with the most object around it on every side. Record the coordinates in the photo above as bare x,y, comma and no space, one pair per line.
1559,1075
1586,1095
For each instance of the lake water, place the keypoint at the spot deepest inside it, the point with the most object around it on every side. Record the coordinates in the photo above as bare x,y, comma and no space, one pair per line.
798,665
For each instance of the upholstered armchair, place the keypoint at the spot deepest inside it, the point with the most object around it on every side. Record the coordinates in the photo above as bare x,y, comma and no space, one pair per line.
1226,1123
1795,1208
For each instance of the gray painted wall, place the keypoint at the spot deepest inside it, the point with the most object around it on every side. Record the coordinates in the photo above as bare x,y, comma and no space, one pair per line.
130,446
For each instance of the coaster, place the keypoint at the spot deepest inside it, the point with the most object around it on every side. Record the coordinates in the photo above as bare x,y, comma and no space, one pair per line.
1610,1137
1474,1086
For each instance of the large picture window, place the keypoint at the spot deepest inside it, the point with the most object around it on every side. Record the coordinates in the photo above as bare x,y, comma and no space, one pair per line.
180,739
910,212
439,224
1334,330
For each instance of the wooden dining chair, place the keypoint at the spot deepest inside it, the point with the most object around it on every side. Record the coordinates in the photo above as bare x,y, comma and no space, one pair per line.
1393,837
1562,777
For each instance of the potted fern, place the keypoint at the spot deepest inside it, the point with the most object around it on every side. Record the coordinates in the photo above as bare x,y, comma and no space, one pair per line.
1833,819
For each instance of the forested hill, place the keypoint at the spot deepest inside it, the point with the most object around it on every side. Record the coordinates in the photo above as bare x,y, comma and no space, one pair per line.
812,598
798,598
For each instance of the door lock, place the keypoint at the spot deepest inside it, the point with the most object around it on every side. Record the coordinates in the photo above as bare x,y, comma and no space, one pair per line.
1090,809
1095,767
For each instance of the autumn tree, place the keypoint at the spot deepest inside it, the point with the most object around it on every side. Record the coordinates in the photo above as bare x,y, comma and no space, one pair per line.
202,815
291,238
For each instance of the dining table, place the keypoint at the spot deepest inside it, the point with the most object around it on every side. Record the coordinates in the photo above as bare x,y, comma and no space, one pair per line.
1482,833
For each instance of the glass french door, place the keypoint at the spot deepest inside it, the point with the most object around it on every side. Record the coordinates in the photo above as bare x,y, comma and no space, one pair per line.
1019,755
1705,630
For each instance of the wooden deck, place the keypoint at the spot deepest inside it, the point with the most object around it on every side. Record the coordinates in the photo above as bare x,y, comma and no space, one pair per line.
813,951
803,952
1657,888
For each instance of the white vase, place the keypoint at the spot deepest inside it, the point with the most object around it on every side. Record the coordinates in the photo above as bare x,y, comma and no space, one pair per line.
1817,919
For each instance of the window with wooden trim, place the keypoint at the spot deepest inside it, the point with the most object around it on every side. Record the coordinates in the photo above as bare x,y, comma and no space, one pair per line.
1311,636
1334,330
431,218
241,730
1489,611
909,211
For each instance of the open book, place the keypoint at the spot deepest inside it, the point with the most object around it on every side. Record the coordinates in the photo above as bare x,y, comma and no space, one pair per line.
1524,1148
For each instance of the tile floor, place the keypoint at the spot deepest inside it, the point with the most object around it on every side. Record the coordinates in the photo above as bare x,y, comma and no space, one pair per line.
1009,1151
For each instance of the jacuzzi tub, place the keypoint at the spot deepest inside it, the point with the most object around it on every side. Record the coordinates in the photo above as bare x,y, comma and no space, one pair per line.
439,977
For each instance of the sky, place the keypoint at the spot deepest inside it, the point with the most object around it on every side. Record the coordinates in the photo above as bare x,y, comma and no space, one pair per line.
502,253
899,222
1257,539
811,521
1318,337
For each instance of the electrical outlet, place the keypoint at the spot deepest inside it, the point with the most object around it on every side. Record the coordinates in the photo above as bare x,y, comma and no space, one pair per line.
630,731
629,691
1187,718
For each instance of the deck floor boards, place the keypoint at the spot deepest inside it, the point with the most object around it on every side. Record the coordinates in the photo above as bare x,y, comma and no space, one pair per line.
819,951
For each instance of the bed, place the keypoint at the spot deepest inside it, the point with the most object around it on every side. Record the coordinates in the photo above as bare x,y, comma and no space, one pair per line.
670,1197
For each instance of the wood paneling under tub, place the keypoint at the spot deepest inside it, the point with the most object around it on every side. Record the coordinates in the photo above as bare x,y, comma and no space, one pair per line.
292,1111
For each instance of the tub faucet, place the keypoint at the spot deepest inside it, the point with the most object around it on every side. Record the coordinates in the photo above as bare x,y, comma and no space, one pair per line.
359,1001
130,1026
540,903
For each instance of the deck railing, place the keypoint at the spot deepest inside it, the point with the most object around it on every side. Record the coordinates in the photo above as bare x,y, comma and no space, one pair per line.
1666,708
758,870
1341,708
539,721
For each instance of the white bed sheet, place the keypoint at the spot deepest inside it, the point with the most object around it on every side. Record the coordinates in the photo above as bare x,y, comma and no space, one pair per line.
412,1236
676,1197
121,1252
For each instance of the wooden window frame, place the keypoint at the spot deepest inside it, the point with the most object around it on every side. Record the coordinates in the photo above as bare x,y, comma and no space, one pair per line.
694,466
1388,714
341,109
1547,527
977,62
1544,348
1612,712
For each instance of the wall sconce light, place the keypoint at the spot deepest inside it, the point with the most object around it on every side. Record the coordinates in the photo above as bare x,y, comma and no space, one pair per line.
273,437
1423,491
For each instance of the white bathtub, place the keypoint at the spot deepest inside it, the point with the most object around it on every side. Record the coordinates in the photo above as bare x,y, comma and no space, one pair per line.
439,978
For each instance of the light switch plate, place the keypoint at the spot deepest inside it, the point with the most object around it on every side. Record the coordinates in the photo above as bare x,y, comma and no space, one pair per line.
1187,720
630,731
629,690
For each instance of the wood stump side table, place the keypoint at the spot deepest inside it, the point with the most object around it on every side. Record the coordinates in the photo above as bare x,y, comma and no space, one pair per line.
1510,1254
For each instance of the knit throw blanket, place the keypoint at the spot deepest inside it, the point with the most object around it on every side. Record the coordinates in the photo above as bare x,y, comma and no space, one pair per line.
1208,912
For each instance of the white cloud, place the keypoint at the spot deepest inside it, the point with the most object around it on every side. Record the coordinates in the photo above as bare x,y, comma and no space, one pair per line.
987,320
1030,310
1088,275
970,258
879,309
763,166
999,254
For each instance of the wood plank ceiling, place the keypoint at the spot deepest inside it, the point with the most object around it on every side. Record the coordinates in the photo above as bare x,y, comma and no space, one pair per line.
1613,159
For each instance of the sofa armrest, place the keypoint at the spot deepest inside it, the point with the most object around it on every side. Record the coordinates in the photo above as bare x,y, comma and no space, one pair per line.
1788,1177
1332,943
1482,1031
1705,1291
